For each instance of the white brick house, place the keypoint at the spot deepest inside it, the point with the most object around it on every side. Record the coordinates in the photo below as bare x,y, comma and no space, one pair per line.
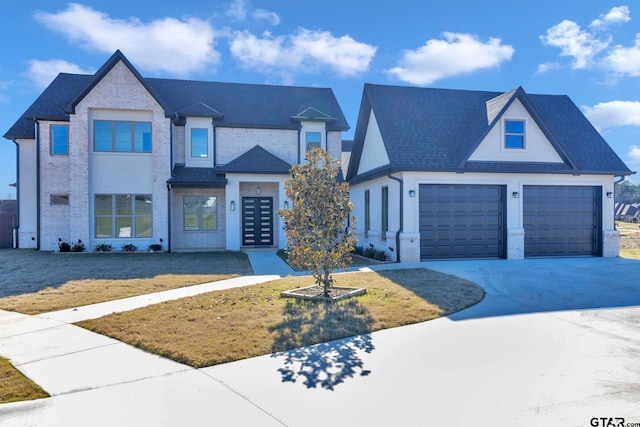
122,159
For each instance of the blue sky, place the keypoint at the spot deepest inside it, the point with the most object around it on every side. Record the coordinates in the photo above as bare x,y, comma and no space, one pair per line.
587,50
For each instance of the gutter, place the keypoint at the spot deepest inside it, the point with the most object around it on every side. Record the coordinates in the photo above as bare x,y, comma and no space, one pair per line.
37,124
169,218
401,182
17,226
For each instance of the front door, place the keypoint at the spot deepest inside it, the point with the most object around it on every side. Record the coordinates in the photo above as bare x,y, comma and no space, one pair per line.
257,221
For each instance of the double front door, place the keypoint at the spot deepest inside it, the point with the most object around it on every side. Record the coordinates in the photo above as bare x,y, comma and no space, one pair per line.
257,221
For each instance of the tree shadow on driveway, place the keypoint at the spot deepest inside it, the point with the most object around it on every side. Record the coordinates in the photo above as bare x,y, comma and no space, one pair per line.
328,364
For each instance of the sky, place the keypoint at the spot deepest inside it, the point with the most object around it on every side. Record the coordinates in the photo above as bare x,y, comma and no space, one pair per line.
589,51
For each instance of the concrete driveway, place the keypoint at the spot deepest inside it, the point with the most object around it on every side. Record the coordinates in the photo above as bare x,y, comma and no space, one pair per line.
554,342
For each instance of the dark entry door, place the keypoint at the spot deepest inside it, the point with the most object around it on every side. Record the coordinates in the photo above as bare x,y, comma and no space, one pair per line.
257,221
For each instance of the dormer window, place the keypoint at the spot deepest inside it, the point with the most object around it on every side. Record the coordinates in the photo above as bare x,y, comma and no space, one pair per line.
514,134
199,143
313,140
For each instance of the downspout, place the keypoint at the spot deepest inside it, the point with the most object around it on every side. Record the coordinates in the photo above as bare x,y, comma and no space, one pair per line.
171,126
299,144
17,226
37,184
169,217
401,182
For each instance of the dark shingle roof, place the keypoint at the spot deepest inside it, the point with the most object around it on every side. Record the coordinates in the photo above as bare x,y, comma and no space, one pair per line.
257,160
231,104
426,129
49,105
196,177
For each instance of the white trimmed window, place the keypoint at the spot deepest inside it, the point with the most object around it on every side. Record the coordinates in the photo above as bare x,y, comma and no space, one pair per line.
514,134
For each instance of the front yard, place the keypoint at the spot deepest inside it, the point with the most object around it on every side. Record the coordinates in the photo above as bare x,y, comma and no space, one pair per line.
629,239
34,282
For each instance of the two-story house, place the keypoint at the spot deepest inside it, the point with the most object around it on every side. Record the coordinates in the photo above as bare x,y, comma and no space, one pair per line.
117,158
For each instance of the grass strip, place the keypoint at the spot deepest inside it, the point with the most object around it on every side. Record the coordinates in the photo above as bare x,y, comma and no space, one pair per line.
15,387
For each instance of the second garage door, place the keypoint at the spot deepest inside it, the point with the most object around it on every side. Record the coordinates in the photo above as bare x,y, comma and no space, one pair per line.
462,221
562,220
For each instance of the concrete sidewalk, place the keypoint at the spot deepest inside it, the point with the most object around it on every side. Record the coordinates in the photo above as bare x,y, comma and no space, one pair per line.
554,342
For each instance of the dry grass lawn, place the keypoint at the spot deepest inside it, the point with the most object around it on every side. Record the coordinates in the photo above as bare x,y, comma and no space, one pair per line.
34,282
239,323
15,387
629,239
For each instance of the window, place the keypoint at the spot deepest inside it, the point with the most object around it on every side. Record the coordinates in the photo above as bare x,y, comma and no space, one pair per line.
367,222
385,212
513,134
59,135
313,140
199,143
119,136
200,213
123,215
59,199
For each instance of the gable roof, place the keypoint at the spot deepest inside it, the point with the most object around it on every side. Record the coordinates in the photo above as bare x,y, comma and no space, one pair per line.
230,104
426,129
256,160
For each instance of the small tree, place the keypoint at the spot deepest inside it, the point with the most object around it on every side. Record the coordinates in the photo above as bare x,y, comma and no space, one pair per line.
318,238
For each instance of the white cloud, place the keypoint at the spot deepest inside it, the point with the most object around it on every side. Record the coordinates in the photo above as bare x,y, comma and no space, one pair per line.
613,113
547,66
169,44
634,152
573,41
303,51
625,60
43,72
266,15
618,14
237,10
456,54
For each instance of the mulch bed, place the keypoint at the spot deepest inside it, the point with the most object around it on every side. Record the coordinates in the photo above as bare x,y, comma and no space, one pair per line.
316,293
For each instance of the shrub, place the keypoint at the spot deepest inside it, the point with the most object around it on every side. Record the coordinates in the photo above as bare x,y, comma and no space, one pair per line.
155,247
64,246
369,252
358,250
380,256
103,247
78,246
129,247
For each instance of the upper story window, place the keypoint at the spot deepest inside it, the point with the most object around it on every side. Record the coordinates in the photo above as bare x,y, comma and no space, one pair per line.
59,135
514,134
121,136
313,140
199,143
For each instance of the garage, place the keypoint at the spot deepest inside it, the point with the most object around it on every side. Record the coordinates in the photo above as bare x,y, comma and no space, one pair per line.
562,220
462,221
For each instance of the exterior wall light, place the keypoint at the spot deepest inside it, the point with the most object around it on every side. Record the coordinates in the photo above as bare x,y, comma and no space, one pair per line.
258,190
609,194
515,194
232,205
412,193
286,205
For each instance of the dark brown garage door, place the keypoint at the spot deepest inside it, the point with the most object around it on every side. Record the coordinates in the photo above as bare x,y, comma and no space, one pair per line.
562,220
462,221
